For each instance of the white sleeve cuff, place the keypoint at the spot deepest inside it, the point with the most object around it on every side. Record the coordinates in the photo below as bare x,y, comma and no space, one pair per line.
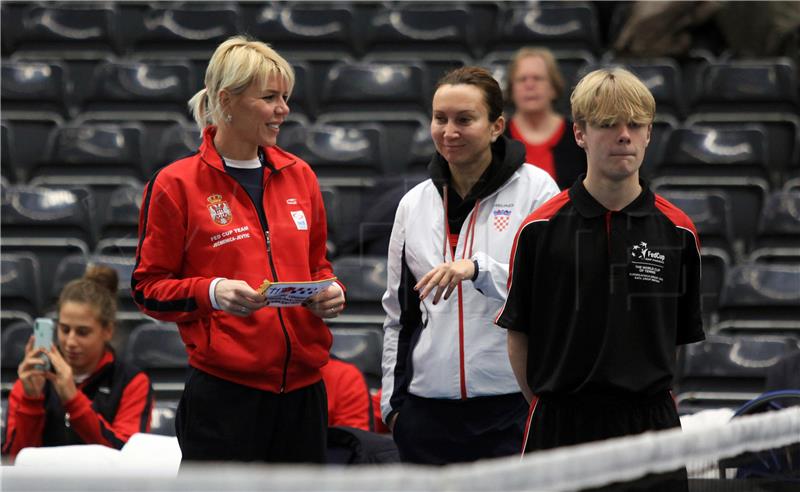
211,287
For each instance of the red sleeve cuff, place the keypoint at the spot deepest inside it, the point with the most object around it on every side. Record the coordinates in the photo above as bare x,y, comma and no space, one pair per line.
201,295
78,405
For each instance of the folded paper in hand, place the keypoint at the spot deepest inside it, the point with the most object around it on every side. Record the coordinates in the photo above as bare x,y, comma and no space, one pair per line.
292,293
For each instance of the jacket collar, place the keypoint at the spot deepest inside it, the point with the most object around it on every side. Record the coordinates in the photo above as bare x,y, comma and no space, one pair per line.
106,360
276,158
587,206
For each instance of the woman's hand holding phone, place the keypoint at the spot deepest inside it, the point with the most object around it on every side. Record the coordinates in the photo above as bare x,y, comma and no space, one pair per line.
30,371
61,376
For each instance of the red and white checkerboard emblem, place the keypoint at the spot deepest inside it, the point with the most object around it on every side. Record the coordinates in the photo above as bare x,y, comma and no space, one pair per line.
501,219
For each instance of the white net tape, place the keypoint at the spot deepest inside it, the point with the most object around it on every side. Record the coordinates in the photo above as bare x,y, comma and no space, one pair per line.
575,468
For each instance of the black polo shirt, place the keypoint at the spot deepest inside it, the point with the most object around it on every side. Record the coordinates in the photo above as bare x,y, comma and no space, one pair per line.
603,296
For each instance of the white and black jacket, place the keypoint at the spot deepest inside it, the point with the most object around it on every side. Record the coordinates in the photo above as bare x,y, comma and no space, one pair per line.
453,350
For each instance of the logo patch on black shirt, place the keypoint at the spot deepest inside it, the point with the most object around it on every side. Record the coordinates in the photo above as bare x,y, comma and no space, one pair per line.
647,263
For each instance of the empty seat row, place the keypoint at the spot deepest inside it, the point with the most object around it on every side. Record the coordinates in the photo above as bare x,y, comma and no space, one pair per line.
727,371
110,145
404,80
105,146
356,27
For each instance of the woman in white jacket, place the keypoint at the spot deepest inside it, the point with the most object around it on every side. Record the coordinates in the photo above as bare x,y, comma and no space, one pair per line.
449,394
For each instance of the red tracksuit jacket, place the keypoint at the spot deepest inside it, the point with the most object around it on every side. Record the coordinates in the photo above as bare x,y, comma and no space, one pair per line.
198,223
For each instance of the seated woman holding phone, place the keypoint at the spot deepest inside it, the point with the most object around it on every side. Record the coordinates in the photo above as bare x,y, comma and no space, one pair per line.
76,391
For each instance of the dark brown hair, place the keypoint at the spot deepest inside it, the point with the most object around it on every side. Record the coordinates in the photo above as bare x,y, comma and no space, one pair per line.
97,288
483,80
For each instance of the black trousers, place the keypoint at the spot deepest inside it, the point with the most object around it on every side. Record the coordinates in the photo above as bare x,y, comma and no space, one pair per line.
556,421
437,431
218,420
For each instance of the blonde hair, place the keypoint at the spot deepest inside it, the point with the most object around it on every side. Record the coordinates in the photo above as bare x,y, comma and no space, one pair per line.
98,289
609,95
550,63
235,64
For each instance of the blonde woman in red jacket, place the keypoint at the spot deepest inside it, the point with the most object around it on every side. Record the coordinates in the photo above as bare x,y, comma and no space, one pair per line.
212,227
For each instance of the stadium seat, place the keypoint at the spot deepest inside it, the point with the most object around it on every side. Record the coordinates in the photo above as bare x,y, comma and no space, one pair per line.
772,327
365,279
663,77
61,26
342,150
778,236
413,26
782,130
162,417
375,86
555,25
28,133
179,140
192,26
154,125
106,149
119,246
716,151
726,371
710,213
48,213
761,291
120,219
19,283
301,26
73,267
293,130
9,167
435,63
746,196
362,347
405,131
747,85
34,85
157,349
129,84
663,126
14,338
9,317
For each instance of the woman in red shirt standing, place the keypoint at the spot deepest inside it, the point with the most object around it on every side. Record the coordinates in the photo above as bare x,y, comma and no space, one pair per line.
534,83
89,396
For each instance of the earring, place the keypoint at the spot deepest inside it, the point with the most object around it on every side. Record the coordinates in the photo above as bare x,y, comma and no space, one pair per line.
228,118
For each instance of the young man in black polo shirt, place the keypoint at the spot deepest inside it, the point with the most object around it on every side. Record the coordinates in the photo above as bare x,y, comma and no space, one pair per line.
604,283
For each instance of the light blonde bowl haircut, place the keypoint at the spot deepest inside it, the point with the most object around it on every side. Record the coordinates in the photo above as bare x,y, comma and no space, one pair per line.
235,64
610,95
550,63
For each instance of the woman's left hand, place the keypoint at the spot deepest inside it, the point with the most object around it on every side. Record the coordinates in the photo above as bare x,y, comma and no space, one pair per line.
328,303
61,376
445,278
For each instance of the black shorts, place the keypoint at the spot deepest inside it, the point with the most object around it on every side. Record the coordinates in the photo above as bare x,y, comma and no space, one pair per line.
556,421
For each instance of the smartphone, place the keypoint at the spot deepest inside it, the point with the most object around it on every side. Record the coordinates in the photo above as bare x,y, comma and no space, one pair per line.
43,329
